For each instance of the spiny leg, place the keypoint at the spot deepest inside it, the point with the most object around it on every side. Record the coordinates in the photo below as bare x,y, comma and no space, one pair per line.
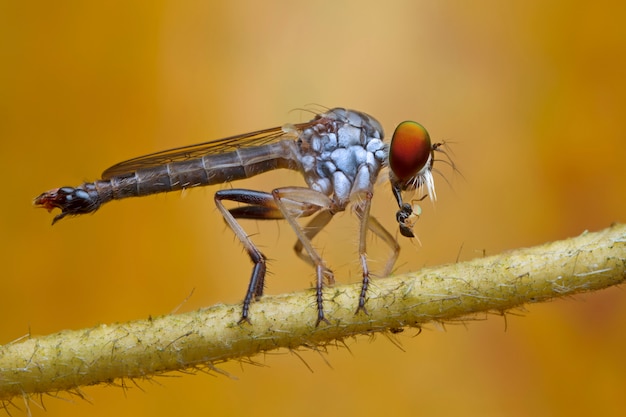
292,195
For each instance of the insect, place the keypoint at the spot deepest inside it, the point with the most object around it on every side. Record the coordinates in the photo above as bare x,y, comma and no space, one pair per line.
339,152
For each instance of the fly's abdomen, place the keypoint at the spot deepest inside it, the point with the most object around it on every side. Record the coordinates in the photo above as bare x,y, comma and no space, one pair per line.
207,170
173,177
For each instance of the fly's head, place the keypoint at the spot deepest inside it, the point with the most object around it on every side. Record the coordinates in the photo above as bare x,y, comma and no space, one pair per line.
411,157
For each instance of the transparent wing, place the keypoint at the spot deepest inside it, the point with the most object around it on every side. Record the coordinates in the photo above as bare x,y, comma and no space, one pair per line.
258,138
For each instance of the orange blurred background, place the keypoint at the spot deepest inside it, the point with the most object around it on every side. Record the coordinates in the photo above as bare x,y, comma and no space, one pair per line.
531,95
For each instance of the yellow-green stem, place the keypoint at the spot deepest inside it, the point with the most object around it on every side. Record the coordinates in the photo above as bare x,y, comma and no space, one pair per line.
70,359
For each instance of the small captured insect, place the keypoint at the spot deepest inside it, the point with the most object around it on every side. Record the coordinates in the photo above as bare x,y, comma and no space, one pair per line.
339,152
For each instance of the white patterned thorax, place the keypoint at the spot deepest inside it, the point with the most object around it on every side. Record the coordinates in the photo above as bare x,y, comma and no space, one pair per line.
342,153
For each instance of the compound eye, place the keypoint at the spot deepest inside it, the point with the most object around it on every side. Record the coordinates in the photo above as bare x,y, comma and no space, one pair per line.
409,150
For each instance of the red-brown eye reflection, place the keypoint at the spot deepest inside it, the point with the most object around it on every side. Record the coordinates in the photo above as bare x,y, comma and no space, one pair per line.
409,151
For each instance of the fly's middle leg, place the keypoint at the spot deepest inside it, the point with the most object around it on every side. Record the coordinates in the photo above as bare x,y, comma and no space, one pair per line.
363,211
288,196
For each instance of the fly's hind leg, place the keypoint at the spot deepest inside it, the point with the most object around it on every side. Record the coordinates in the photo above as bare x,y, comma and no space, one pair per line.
260,206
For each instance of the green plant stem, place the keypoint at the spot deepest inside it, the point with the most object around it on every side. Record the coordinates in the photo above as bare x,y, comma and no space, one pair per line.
70,359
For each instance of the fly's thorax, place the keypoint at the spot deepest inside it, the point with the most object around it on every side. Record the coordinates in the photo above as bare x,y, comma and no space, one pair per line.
341,153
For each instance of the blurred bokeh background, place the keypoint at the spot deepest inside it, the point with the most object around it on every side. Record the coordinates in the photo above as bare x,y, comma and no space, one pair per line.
530,95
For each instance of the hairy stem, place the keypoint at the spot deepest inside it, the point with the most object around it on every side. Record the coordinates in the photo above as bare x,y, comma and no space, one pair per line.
70,359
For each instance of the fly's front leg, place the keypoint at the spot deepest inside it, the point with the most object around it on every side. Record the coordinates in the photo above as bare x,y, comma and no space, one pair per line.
379,230
368,222
288,196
